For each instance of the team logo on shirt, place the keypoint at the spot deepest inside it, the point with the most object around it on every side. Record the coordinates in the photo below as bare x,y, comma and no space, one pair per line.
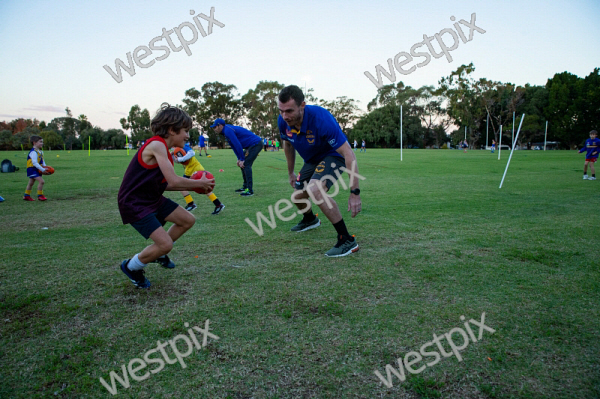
310,137
288,132
320,167
332,142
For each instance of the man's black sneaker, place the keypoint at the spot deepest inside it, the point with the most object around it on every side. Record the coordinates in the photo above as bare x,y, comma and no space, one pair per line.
344,246
303,226
165,262
136,276
218,209
240,190
247,193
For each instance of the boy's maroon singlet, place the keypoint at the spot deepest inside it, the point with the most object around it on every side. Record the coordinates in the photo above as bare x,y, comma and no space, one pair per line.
143,185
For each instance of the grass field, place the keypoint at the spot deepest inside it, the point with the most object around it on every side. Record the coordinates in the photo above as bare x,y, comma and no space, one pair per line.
438,240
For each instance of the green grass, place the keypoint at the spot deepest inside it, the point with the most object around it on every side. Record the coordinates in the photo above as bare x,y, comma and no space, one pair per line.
438,240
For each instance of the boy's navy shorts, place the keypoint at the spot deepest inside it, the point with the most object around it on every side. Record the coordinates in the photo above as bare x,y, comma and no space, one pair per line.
149,223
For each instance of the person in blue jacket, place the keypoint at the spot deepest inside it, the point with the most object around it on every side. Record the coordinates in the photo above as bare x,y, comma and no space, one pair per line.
202,144
246,146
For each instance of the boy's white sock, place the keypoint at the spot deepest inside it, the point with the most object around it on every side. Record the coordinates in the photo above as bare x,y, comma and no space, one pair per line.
135,264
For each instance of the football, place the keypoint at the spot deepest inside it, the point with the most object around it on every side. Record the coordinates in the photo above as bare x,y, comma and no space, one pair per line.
178,152
49,170
198,175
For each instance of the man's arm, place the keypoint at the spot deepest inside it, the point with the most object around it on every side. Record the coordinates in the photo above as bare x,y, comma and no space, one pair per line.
354,202
290,157
235,143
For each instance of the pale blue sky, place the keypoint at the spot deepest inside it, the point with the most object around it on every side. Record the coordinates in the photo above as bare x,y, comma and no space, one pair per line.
52,52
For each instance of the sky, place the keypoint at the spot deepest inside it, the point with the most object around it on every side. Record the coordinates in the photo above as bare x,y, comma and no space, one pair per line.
52,53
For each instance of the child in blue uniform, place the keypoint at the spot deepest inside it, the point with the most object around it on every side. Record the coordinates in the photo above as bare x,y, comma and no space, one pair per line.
592,145
35,169
141,200
202,144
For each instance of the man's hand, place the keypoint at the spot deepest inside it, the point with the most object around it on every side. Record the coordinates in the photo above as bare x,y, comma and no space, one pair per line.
354,204
293,180
240,164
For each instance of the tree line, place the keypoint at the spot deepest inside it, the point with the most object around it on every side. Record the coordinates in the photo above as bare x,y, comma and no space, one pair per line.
61,133
435,115
432,116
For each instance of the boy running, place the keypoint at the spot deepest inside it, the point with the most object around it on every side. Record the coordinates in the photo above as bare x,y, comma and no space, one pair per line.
592,145
202,145
191,165
141,200
35,169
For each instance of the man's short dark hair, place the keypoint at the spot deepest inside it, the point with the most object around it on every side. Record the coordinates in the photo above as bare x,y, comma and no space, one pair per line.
291,91
168,117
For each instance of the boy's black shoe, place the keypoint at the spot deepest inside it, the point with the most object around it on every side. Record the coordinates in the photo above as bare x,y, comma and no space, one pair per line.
165,262
136,276
218,209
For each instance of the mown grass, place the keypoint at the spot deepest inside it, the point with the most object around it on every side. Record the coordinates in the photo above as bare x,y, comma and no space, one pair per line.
438,240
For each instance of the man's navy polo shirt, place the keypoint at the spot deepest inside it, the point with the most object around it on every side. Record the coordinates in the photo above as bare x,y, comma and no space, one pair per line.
239,138
319,136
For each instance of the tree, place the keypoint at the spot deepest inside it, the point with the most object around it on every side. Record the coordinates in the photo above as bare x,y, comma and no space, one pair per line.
433,116
114,138
381,126
534,101
344,110
66,128
589,105
82,124
563,113
51,139
214,100
261,108
464,102
138,123
6,139
92,136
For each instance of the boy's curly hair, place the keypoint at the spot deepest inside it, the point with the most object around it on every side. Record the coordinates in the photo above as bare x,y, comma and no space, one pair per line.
169,117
